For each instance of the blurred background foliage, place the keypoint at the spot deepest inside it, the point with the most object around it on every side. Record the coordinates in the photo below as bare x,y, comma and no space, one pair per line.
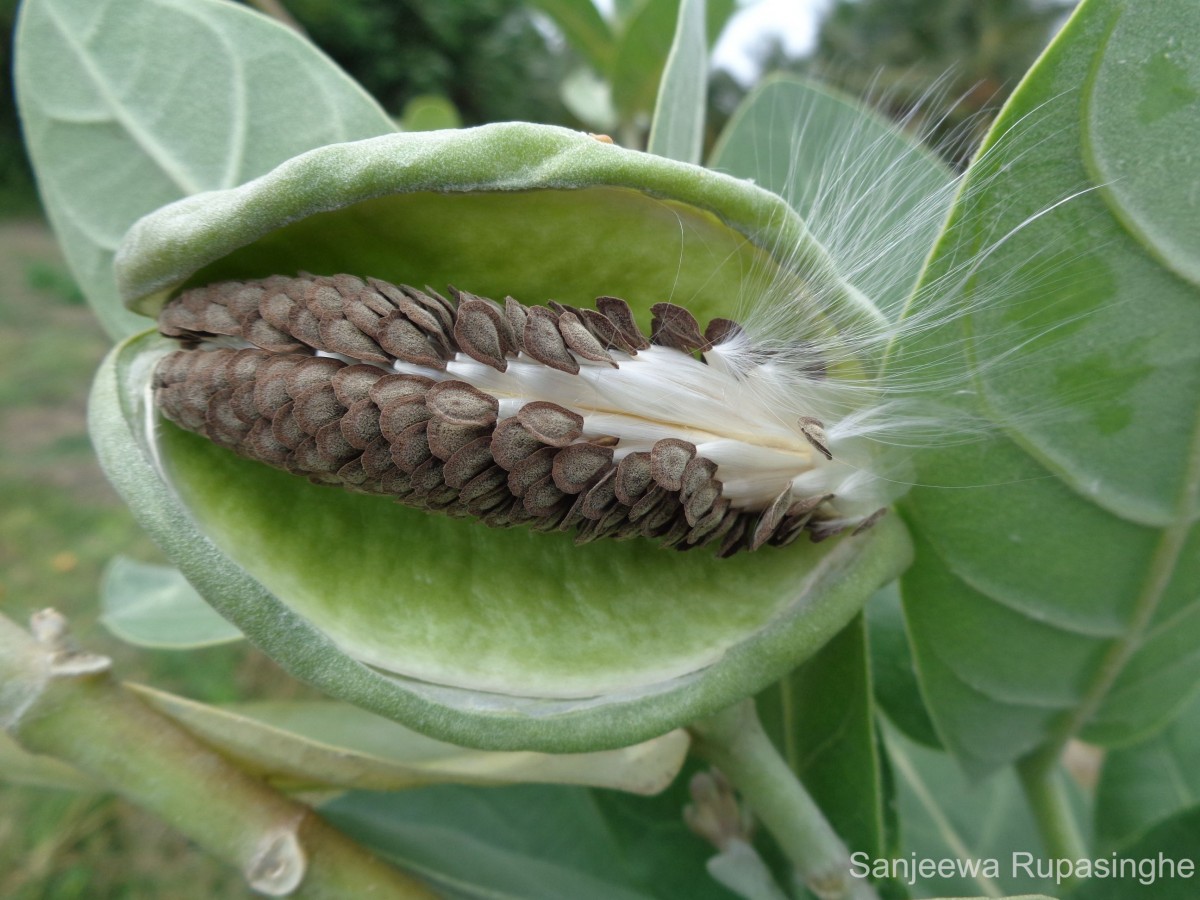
431,64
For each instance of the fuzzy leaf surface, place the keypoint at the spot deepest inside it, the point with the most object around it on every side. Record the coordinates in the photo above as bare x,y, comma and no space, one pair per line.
1057,587
169,98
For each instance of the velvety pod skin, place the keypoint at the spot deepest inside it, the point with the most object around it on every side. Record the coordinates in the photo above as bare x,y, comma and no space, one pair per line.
498,638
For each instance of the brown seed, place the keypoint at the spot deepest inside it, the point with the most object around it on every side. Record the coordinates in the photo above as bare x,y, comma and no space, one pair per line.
673,326
698,503
304,326
332,443
310,372
446,439
531,469
262,333
339,335
410,448
668,458
814,431
459,403
633,477
486,481
515,313
407,342
271,385
286,429
276,308
768,522
577,465
869,521
697,474
354,383
512,442
468,462
543,497
316,408
263,445
550,423
399,387
360,424
606,332
543,342
718,331
582,341
598,499
618,312
398,416
377,458
477,331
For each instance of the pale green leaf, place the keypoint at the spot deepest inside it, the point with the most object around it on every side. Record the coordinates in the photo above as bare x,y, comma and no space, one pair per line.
520,843
584,28
977,825
19,766
154,606
1152,864
1143,784
589,98
307,745
822,717
642,49
430,112
677,130
872,196
1057,586
167,98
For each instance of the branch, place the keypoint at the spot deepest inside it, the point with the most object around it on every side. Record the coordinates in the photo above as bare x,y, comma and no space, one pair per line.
63,703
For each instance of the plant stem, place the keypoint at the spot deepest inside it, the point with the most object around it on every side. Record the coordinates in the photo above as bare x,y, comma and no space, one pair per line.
734,741
63,703
1047,797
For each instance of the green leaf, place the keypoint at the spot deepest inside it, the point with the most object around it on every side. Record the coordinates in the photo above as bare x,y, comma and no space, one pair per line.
677,130
307,745
642,50
589,98
1159,852
822,717
893,672
978,825
218,96
1144,784
525,842
1142,105
1060,593
154,606
430,112
872,196
584,28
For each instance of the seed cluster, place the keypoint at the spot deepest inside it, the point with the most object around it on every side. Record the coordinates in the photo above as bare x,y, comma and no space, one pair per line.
300,373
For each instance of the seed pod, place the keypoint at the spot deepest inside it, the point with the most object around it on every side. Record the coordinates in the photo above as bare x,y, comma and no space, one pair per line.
549,620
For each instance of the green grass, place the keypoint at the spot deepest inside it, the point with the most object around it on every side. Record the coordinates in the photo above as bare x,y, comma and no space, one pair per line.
60,523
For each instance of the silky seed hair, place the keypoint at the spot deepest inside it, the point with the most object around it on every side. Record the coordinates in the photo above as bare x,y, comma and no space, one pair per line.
555,417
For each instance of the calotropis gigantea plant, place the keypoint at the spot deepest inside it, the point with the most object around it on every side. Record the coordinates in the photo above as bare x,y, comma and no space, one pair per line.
273,260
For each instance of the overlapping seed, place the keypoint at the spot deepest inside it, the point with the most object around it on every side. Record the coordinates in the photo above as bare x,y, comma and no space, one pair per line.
442,444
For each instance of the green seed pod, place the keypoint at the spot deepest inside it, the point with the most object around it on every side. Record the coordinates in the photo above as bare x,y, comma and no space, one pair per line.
430,610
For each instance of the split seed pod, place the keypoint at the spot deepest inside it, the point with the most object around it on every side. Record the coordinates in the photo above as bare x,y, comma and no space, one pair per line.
552,635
